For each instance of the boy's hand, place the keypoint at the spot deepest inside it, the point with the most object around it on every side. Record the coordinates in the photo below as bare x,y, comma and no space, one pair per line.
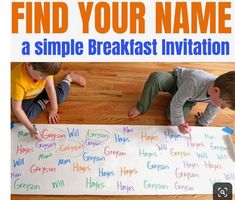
184,128
53,116
33,134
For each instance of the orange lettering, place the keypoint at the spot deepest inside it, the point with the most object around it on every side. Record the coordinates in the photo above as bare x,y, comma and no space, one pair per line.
202,20
163,18
116,12
85,15
16,16
57,7
137,17
42,16
99,18
181,11
40,12
197,17
29,17
113,16
223,17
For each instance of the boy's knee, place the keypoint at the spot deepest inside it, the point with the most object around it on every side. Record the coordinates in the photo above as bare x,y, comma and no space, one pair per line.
61,100
62,90
155,77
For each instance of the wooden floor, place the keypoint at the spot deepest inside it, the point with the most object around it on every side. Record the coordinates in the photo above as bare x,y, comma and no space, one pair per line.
112,88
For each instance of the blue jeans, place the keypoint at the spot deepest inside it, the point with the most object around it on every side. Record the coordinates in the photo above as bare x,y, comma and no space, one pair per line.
32,107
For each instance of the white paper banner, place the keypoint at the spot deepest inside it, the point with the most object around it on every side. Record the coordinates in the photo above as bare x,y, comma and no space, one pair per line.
119,160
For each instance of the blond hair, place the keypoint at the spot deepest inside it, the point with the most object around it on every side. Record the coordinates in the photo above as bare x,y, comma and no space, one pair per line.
226,84
47,68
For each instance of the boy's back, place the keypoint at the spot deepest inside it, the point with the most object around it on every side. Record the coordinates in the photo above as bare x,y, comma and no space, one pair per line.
22,86
194,81
192,86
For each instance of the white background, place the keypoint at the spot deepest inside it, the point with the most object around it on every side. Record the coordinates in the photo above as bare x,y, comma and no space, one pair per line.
5,24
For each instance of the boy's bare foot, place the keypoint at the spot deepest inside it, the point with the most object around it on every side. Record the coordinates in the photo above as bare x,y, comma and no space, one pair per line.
133,112
73,77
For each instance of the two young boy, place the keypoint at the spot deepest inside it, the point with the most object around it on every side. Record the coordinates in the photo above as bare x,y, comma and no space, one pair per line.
32,89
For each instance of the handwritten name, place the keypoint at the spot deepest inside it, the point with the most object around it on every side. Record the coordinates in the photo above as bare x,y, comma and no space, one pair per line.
171,135
229,176
201,155
188,175
115,153
25,186
127,129
144,153
99,134
218,147
44,156
93,184
190,165
181,154
73,133
120,139
154,186
16,174
148,137
156,166
24,150
183,187
127,172
209,137
57,184
105,173
46,135
214,180
41,170
18,163
45,145
93,159
71,148
221,156
214,166
195,145
93,143
22,133
161,147
81,168
63,161
124,187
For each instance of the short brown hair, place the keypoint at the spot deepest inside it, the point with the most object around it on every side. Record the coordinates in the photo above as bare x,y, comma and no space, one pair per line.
47,68
226,84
